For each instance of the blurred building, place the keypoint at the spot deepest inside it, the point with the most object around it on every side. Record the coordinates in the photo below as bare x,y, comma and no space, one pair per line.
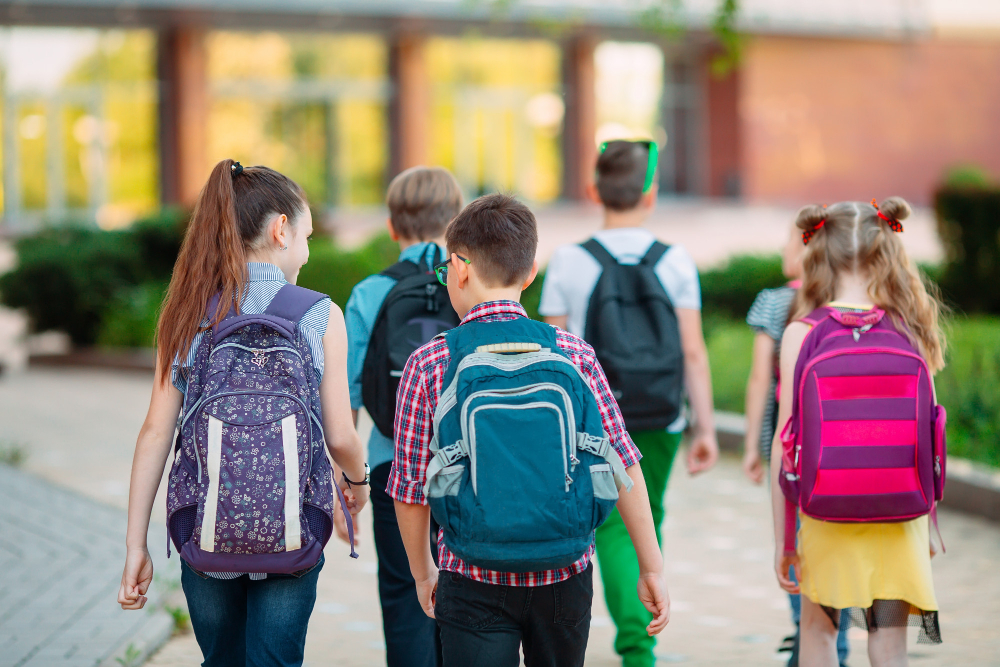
112,108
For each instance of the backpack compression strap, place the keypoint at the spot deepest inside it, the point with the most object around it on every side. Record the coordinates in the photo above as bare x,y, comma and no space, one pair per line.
293,302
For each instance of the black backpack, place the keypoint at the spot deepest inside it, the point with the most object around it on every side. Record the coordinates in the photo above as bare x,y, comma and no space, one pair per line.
416,309
633,328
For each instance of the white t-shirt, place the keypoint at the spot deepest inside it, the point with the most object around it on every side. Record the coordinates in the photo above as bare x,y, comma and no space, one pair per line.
573,273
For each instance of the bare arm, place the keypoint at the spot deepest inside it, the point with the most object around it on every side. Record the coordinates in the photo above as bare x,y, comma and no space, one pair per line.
758,388
638,518
151,451
790,345
557,320
338,424
414,526
704,450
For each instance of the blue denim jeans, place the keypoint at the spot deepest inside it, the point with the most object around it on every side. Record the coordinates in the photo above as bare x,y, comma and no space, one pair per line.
244,623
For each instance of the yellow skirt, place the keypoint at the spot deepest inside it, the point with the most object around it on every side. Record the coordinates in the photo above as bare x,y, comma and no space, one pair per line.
848,565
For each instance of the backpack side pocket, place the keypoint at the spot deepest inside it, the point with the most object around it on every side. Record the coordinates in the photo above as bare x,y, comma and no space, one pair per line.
940,450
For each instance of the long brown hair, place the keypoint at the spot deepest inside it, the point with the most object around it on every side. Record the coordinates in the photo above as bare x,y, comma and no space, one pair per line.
228,221
850,236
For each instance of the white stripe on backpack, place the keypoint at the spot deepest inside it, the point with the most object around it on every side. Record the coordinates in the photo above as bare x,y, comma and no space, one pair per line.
293,536
212,497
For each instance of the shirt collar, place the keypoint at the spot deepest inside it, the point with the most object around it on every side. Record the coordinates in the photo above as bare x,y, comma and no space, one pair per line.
503,309
416,252
264,271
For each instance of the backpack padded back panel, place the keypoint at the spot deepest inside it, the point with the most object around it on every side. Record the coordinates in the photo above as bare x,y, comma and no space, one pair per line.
633,328
863,443
251,487
522,472
415,310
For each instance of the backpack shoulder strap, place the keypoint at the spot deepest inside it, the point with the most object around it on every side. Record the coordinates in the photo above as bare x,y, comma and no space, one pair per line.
654,254
401,270
600,253
816,316
293,302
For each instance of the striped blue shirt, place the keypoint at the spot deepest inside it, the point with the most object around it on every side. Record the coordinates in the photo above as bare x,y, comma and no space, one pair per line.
264,281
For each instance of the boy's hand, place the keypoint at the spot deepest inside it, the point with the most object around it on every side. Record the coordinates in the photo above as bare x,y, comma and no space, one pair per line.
703,452
427,590
782,564
654,597
753,468
136,577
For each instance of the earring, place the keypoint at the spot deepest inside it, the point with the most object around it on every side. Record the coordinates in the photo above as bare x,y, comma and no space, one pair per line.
284,247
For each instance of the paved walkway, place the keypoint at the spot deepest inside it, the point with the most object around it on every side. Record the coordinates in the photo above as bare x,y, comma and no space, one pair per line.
79,427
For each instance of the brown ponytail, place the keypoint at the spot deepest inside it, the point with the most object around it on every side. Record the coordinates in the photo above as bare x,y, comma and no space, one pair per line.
228,220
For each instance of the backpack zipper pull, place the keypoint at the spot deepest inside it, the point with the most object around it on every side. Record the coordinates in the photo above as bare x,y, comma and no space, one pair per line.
432,304
569,480
937,466
860,330
573,462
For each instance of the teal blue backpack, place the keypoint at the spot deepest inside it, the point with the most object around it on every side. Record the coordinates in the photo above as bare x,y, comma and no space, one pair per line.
522,471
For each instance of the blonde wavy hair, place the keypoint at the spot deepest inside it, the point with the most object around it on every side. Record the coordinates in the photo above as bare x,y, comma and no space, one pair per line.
850,236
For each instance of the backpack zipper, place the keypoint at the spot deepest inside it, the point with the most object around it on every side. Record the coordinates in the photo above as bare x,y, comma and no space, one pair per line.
256,351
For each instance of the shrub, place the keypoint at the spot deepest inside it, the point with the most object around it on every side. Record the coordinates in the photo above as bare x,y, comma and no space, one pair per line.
969,388
67,276
730,289
335,271
130,318
969,225
730,353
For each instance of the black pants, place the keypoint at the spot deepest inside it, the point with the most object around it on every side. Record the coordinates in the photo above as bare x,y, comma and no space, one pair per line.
484,625
411,637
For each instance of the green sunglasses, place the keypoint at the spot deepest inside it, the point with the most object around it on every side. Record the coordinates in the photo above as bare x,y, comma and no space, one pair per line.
441,270
654,158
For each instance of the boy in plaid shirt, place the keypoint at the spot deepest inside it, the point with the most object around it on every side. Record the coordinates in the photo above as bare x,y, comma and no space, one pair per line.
486,616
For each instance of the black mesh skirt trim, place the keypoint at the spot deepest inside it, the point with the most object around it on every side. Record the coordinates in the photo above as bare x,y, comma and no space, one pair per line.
891,614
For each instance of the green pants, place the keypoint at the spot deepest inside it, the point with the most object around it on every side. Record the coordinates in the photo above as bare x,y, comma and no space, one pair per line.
617,557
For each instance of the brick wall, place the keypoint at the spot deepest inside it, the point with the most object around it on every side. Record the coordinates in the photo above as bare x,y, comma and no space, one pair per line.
826,120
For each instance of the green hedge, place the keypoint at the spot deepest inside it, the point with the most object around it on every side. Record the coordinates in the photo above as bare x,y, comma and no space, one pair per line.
969,226
67,277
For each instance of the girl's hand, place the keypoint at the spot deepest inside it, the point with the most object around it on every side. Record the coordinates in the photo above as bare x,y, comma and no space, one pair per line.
753,468
356,497
340,523
783,563
136,577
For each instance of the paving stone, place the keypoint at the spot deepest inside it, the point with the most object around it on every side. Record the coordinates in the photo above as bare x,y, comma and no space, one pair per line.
727,608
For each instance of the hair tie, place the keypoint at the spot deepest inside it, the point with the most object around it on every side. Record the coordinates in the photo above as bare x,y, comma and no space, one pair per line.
894,225
237,169
809,233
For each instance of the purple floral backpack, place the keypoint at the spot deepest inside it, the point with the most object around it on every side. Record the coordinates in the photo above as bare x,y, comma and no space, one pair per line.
251,488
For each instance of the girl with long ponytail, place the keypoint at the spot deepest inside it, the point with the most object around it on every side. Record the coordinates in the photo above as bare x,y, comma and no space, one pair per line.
247,239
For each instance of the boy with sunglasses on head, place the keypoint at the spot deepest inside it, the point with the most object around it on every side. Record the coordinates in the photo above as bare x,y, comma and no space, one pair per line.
388,316
638,303
507,429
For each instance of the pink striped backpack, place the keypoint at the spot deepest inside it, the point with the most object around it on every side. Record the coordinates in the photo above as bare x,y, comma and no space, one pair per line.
866,440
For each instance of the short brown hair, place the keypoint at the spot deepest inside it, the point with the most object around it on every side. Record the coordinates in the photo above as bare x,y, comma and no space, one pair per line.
422,201
500,234
621,173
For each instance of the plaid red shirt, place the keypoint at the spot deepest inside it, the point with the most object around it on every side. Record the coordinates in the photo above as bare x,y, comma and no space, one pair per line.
416,401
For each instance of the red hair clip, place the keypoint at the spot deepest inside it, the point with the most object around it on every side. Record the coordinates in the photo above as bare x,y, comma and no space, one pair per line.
809,233
894,225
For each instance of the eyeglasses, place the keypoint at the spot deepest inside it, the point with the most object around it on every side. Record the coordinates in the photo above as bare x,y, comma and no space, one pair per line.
441,270
654,158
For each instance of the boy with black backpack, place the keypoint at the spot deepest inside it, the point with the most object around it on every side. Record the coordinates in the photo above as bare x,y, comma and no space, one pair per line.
507,428
638,303
388,316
